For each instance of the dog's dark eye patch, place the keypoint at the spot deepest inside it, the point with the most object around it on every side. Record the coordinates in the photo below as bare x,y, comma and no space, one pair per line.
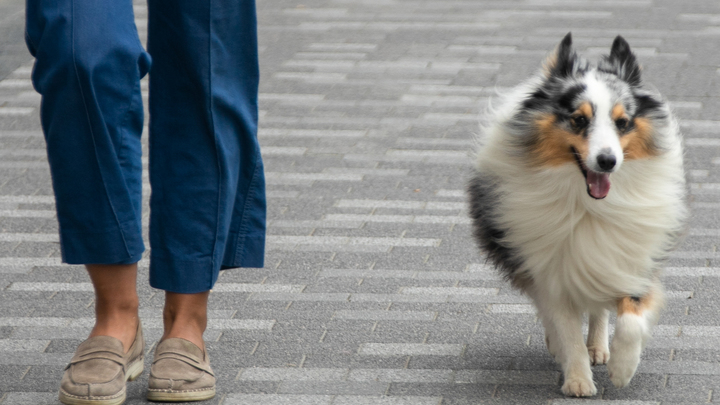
567,100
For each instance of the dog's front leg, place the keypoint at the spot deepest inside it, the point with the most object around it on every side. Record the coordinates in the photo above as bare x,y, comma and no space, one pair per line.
571,350
635,317
597,339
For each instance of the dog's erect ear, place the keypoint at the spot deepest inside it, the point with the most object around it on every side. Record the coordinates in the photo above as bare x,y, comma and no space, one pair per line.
561,62
624,61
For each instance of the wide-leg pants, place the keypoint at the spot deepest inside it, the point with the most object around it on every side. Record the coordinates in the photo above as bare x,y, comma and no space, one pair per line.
207,206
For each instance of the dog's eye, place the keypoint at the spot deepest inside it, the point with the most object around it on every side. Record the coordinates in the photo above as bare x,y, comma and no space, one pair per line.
621,123
579,122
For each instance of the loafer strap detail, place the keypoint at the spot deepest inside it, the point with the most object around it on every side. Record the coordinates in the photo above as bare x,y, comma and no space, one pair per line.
186,358
98,354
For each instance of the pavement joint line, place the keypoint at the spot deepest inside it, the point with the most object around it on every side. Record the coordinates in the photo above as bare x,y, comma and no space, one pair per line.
27,199
27,214
20,134
310,133
24,165
435,298
449,291
149,323
400,204
345,240
492,274
16,83
16,110
409,349
692,271
219,287
397,316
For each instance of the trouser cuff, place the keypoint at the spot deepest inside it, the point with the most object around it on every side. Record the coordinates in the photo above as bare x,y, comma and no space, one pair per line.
122,245
181,276
244,251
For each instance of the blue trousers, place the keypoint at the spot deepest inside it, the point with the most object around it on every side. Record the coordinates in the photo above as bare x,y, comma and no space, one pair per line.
208,188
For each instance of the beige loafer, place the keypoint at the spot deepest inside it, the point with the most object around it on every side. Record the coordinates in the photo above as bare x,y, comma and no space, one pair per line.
180,372
99,370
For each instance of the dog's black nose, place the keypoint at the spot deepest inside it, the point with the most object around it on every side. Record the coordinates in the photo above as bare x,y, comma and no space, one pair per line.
606,160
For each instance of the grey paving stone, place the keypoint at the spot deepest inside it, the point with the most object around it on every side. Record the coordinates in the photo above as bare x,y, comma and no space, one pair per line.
30,397
251,399
250,387
477,392
292,374
333,387
386,400
63,345
407,335
349,358
410,349
521,395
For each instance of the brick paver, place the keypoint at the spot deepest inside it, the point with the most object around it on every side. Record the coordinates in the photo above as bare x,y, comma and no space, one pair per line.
374,292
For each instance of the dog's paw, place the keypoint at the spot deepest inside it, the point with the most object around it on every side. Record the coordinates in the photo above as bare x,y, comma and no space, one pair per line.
621,370
579,387
598,355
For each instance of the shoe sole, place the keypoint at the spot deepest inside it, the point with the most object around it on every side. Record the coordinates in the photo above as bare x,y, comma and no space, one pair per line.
180,396
133,372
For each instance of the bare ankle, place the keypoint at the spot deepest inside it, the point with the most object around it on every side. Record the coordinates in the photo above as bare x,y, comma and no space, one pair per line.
120,325
116,301
186,326
185,316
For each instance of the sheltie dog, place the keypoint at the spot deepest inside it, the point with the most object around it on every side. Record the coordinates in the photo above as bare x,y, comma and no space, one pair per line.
578,194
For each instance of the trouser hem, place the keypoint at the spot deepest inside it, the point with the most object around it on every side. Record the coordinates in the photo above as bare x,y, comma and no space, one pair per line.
249,252
122,245
181,276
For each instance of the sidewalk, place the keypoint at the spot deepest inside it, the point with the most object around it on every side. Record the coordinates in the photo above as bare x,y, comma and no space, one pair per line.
374,292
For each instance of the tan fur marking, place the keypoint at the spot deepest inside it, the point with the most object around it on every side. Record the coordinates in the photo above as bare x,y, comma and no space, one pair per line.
638,143
628,305
618,112
552,146
584,109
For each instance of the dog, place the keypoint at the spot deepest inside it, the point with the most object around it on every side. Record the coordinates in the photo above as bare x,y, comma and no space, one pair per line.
578,194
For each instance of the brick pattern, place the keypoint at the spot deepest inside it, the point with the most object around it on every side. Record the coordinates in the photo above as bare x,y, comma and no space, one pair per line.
374,292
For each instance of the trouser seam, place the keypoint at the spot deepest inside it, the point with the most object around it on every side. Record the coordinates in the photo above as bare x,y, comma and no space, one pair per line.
90,126
244,220
217,153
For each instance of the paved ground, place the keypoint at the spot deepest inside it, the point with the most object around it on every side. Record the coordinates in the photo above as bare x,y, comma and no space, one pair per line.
13,52
373,291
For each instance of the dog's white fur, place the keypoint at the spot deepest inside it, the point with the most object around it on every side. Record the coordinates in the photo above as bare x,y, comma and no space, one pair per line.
583,254
603,135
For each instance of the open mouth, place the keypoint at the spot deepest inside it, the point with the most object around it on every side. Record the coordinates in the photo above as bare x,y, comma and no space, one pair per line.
598,184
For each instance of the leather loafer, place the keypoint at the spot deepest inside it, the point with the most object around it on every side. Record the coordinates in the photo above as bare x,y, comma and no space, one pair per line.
99,370
180,372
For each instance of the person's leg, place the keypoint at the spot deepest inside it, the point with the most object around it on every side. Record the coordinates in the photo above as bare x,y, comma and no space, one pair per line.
116,301
207,208
88,66
208,191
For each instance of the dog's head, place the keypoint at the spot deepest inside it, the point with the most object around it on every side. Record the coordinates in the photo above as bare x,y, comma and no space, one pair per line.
596,117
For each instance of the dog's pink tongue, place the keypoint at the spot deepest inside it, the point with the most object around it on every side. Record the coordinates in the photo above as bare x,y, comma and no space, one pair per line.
598,184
